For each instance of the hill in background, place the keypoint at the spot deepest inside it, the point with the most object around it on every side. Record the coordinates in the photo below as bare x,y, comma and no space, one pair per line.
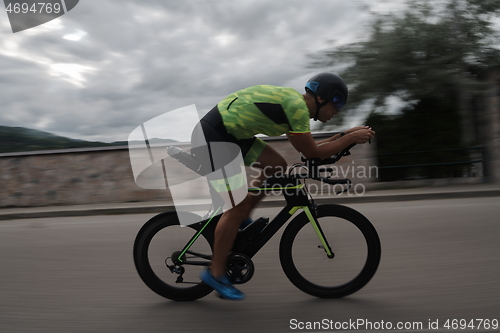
19,139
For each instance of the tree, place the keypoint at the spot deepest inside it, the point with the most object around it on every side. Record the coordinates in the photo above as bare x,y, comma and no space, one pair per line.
432,57
434,50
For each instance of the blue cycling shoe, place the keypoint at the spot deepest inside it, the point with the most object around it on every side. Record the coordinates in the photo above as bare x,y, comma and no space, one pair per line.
223,286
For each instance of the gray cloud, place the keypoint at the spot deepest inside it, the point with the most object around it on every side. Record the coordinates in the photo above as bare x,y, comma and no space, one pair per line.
138,59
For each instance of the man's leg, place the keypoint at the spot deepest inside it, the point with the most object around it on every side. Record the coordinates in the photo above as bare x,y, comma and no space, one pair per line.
270,162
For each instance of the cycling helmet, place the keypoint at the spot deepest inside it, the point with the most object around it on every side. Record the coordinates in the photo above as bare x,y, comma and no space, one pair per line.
330,87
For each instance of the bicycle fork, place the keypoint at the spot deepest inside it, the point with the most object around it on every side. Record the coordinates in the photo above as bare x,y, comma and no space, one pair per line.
319,232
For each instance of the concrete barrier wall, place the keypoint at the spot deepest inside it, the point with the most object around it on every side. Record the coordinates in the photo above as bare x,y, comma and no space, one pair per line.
93,176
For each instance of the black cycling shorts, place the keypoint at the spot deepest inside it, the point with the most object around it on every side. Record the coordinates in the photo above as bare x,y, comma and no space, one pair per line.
211,126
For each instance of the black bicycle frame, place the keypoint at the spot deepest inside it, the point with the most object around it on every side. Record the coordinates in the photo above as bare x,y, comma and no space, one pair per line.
296,197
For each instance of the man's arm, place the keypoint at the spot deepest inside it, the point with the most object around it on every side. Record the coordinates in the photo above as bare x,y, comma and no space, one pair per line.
339,135
305,144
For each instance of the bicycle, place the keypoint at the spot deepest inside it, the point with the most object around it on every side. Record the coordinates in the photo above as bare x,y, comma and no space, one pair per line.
329,237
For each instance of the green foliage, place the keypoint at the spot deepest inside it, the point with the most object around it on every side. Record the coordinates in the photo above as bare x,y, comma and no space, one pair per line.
431,56
426,52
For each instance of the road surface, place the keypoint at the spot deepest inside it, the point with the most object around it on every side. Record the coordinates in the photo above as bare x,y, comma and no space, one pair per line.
440,261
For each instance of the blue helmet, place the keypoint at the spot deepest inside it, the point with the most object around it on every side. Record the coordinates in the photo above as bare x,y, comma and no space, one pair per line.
330,87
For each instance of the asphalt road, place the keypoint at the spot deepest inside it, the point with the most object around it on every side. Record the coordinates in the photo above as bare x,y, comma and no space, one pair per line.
440,260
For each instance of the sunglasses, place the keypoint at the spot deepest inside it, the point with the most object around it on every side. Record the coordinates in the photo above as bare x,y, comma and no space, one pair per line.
338,100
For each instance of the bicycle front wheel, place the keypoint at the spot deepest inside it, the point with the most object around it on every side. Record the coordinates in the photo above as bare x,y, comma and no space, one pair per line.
353,241
158,244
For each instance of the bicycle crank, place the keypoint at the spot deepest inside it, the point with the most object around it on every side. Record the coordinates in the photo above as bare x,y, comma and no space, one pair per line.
239,268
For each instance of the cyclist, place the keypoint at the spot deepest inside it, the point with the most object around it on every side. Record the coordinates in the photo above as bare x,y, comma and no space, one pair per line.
271,111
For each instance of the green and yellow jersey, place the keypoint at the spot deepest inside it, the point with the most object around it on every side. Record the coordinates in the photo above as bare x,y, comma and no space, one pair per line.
264,109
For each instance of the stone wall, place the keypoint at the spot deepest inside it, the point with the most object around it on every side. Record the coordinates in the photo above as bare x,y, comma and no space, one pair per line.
69,177
94,176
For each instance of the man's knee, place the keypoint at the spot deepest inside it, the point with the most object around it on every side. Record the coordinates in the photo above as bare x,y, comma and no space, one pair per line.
246,205
272,164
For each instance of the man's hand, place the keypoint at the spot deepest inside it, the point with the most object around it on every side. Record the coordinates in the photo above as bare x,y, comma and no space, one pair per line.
354,129
361,134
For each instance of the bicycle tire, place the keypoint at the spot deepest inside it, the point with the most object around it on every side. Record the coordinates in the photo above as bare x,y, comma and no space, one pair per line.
150,249
301,260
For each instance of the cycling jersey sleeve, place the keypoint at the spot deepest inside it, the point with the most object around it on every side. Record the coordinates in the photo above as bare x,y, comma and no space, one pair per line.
298,115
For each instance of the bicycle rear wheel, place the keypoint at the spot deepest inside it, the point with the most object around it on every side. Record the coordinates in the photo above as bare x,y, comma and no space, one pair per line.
157,245
353,241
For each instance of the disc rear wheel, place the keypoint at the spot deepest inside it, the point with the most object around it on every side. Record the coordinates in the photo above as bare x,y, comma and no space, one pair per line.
157,248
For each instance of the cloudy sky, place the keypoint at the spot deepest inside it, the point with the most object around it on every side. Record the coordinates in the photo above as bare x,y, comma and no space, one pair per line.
106,67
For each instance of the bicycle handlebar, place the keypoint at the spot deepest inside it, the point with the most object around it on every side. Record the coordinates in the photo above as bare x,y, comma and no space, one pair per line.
329,160
334,181
313,165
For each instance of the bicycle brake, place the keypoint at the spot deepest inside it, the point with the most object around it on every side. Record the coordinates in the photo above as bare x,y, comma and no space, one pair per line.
314,207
